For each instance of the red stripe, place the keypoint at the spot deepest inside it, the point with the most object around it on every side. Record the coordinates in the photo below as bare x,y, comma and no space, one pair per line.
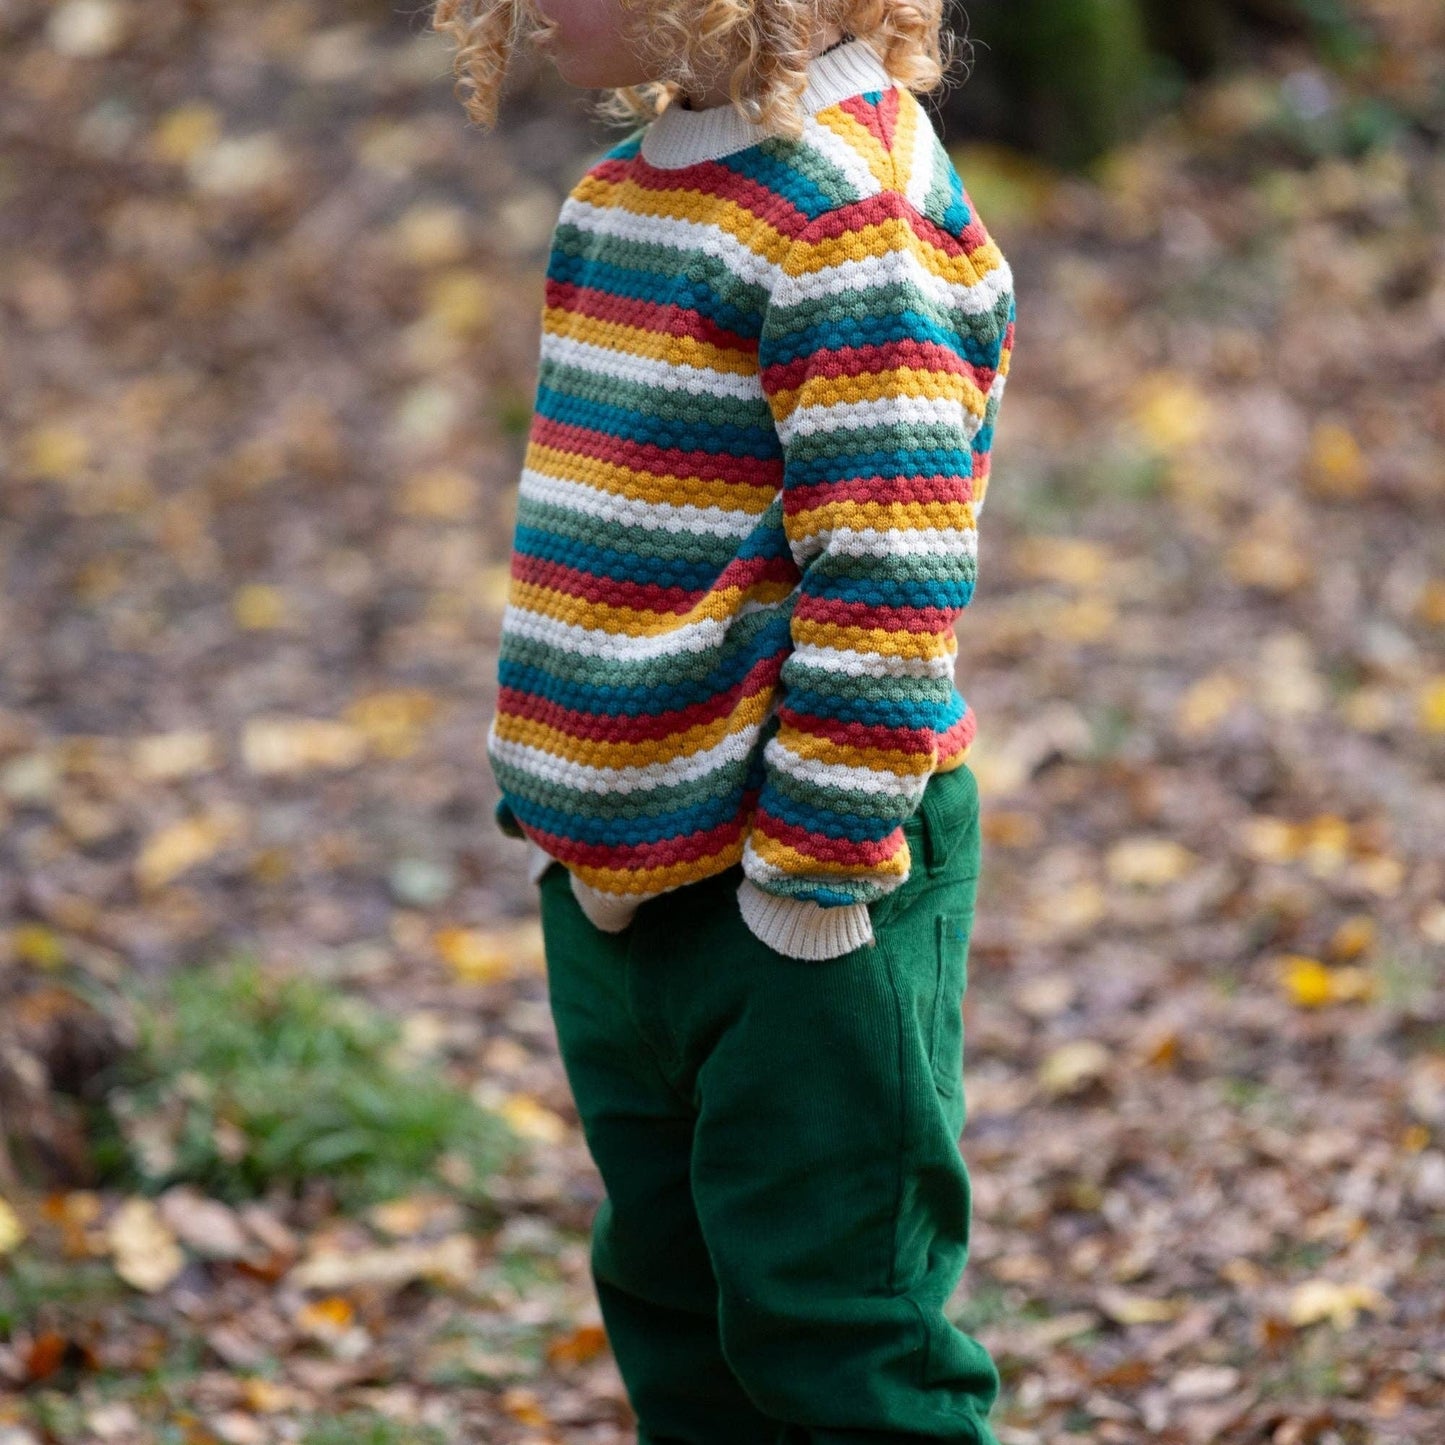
614,591
659,461
888,491
868,360
921,620
741,572
865,853
631,728
859,735
713,179
880,117
665,318
639,856
894,205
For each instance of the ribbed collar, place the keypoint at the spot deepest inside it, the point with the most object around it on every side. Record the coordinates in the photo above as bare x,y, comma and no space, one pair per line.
684,137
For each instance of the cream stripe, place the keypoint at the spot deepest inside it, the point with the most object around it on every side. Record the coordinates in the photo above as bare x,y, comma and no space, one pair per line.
653,372
730,751
666,231
579,498
898,266
700,636
871,664
888,411
859,780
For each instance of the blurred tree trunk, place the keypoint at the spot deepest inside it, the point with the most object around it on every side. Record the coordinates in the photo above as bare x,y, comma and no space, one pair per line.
1069,79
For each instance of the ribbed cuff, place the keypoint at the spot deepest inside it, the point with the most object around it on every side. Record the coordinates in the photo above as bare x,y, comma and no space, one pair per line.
800,928
604,910
539,860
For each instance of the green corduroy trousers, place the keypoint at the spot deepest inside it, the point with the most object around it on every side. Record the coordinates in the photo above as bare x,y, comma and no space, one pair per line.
786,1210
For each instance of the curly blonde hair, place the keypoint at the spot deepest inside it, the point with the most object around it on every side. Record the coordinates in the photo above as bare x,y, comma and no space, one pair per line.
766,43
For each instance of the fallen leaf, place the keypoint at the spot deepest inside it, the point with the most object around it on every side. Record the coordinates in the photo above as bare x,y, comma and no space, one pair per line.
578,1346
145,1252
1323,1299
533,1120
204,1225
1309,984
449,1261
1074,1066
1148,862
12,1229
278,746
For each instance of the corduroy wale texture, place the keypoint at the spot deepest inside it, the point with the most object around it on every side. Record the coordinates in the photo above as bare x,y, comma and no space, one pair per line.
769,378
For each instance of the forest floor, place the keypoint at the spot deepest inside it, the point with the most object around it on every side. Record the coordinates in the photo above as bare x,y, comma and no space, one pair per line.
269,332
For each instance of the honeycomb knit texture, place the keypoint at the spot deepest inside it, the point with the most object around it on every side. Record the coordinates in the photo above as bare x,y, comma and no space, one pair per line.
747,520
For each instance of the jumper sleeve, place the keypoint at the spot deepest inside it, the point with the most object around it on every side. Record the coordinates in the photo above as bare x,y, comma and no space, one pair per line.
883,355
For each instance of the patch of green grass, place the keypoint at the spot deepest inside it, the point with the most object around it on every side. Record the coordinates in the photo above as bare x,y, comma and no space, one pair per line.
359,1428
243,1081
32,1285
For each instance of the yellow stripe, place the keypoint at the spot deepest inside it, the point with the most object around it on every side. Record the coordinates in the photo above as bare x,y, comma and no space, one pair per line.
883,517
895,234
905,132
790,860
813,748
821,390
670,488
593,753
748,227
658,880
718,606
644,342
869,639
858,137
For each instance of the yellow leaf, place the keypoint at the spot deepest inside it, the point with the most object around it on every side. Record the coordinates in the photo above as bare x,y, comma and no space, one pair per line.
38,946
1353,938
1309,984
532,1120
165,756
492,586
185,131
258,608
432,235
12,1228
144,1252
461,302
1070,560
392,721
184,845
1268,561
524,1407
1145,862
1073,1066
329,1316
1087,619
485,956
1270,840
444,493
1335,466
1206,703
281,745
1170,412
1323,1299
1431,706
1135,1309
54,452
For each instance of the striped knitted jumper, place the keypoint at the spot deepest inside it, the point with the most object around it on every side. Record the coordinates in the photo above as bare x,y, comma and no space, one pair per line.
769,377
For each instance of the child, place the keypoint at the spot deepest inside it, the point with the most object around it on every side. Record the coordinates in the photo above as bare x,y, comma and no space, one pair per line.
775,339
